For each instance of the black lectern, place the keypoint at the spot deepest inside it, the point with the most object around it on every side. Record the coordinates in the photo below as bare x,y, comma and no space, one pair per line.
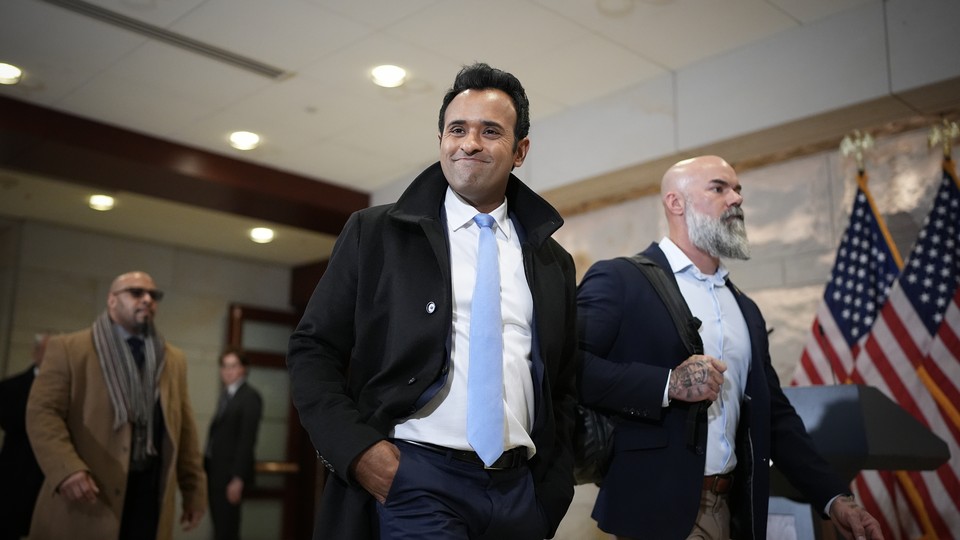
856,428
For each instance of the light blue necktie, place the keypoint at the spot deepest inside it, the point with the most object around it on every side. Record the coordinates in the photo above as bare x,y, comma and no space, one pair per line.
485,376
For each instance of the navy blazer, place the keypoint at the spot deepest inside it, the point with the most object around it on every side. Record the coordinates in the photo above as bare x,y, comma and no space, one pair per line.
652,490
373,344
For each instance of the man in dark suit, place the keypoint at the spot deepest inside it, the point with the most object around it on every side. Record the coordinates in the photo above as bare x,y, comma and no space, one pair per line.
229,457
20,474
379,363
676,474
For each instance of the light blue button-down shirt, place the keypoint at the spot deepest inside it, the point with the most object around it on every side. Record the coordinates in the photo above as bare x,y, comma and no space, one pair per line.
724,333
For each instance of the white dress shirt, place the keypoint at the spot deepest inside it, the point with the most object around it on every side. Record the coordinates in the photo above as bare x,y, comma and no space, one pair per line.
442,420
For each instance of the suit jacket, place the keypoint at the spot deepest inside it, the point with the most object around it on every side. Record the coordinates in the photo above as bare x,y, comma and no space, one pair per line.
19,472
373,344
233,436
70,424
653,487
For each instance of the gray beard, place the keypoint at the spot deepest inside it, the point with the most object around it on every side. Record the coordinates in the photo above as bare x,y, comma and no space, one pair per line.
719,237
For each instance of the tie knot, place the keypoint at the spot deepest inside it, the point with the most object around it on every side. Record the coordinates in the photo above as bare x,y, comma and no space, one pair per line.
484,220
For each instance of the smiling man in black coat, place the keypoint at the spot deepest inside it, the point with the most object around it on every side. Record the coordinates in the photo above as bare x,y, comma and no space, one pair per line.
379,361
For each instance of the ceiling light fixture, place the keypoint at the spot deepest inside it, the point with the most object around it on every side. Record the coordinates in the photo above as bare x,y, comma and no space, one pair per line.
388,76
10,74
101,203
261,235
244,140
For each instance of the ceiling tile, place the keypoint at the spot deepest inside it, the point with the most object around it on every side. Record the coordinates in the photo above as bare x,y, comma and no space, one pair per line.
156,12
377,14
467,31
675,34
807,11
597,59
288,34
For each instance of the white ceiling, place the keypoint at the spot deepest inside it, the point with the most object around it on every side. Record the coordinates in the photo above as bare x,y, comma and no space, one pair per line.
323,118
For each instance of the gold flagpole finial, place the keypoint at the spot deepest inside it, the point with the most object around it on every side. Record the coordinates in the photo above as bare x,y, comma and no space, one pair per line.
945,132
856,143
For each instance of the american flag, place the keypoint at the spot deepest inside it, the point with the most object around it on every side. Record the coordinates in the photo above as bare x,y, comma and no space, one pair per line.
867,262
912,355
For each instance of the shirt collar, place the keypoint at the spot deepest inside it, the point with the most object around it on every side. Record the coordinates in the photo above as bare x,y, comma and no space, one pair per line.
232,388
460,214
681,264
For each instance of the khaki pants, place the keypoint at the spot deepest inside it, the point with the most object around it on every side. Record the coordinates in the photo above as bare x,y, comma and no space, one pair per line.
713,519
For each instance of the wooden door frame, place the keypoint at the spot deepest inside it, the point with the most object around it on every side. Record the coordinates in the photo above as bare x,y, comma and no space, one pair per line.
301,482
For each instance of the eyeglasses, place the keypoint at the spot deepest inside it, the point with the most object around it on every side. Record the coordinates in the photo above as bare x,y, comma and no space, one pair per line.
138,292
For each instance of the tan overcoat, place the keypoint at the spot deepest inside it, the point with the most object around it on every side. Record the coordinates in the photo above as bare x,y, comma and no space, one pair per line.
70,425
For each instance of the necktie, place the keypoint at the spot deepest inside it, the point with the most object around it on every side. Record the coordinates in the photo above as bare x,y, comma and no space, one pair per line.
222,404
485,374
136,349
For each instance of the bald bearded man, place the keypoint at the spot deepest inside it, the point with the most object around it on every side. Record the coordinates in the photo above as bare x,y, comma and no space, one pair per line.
673,477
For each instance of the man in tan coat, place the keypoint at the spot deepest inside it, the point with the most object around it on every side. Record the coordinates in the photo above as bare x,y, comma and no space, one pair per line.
110,421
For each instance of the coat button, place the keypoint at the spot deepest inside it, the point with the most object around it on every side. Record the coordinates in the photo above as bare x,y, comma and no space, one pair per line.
412,380
431,307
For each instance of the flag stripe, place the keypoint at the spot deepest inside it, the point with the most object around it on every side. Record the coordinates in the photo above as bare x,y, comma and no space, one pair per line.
911,355
864,486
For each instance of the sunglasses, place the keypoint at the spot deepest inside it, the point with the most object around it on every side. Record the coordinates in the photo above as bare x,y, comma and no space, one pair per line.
138,292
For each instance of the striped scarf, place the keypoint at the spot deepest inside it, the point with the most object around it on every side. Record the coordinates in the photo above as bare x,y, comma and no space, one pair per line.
132,394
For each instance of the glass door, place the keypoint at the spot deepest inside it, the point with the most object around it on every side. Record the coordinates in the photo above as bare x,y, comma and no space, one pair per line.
281,504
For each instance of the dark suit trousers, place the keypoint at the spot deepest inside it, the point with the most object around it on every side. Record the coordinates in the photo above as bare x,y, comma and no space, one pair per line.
435,497
141,507
225,516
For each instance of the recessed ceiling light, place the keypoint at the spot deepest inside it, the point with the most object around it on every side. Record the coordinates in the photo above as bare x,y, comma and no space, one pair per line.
101,203
244,140
261,235
388,76
10,74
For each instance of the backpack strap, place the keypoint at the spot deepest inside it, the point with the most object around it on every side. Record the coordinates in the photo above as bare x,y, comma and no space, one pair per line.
688,326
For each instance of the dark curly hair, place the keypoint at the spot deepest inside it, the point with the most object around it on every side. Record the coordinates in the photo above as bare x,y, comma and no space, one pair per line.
480,76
